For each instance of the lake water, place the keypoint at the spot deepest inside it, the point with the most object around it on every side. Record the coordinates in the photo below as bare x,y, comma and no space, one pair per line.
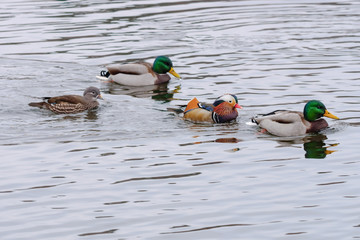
134,170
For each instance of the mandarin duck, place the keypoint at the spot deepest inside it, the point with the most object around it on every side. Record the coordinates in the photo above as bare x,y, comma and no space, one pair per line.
285,123
221,111
140,73
71,103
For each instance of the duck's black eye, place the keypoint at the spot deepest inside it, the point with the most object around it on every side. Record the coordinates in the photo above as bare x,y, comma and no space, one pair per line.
230,101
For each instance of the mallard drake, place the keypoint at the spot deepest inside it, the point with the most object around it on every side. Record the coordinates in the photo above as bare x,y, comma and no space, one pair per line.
71,103
285,123
221,111
141,73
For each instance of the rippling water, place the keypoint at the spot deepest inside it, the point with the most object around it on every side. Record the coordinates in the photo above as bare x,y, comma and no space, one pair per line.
134,170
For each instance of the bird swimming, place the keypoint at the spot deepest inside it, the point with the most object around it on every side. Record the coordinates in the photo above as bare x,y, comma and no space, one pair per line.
286,123
221,111
140,73
71,103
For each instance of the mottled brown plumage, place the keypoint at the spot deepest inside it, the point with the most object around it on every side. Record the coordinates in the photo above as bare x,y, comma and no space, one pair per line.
71,103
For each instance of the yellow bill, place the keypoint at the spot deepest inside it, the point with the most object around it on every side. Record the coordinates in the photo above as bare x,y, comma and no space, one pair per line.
329,151
329,115
172,71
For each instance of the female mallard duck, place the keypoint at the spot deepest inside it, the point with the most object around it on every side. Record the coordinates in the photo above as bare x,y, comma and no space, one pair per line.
71,103
290,123
221,111
141,73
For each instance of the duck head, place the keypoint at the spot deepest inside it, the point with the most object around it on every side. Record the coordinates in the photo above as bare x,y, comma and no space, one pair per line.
228,100
92,92
315,109
164,65
225,108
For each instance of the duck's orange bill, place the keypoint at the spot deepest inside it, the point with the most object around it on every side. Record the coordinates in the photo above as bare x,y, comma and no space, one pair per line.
100,97
172,71
237,106
329,115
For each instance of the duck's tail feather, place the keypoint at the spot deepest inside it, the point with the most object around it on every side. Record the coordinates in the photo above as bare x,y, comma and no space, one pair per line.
194,103
253,120
175,110
104,75
37,104
102,78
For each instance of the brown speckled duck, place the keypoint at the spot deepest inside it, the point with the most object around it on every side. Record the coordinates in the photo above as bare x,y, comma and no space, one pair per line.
221,111
71,103
285,123
141,73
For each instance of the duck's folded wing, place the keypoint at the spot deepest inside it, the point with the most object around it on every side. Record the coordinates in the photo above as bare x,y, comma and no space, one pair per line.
283,124
74,99
281,116
206,106
134,80
131,68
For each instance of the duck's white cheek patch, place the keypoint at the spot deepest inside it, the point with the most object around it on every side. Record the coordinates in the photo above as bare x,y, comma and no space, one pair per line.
228,98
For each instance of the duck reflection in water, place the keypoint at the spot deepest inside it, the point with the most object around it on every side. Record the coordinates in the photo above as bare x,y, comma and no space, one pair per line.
160,92
315,147
91,115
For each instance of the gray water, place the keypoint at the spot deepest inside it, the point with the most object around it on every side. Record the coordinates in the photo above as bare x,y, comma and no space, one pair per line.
134,170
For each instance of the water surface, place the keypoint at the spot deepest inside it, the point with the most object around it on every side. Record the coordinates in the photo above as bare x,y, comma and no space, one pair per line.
134,170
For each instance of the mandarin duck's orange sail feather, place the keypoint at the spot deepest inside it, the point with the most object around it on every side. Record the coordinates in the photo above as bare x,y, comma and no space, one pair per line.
194,103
